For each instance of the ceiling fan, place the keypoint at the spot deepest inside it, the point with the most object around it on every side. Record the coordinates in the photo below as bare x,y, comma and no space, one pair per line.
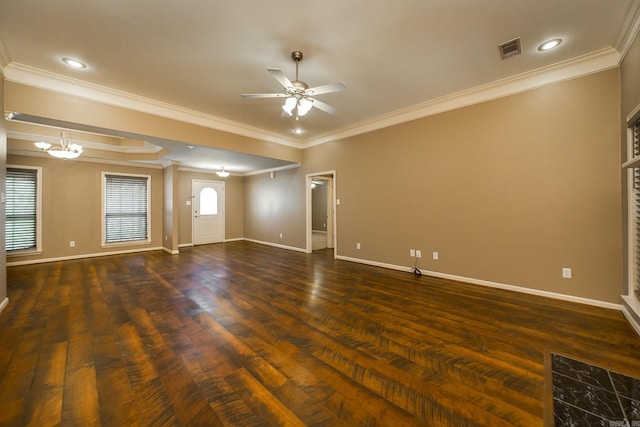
299,96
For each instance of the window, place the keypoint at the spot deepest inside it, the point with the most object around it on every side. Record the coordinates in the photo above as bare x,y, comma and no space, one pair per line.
634,217
126,208
208,201
23,221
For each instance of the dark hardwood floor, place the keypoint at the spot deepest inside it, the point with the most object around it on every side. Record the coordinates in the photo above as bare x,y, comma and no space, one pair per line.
244,334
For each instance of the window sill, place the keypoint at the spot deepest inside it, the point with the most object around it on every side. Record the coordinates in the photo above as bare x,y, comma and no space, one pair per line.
129,243
28,252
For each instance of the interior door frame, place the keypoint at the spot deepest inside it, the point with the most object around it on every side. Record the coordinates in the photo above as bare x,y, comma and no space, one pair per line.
193,206
333,216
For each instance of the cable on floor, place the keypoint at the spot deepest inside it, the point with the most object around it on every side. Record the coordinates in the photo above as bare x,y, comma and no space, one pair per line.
416,271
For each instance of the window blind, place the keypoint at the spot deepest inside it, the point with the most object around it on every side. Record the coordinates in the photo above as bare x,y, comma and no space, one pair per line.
636,206
126,208
21,208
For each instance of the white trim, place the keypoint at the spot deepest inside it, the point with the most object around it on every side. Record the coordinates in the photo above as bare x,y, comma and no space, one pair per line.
308,210
280,168
146,148
630,311
190,245
170,251
259,172
4,304
147,241
5,58
633,115
93,255
577,67
23,74
291,248
490,284
39,219
89,159
629,30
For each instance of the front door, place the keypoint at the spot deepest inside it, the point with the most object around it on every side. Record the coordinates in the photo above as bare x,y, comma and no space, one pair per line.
208,212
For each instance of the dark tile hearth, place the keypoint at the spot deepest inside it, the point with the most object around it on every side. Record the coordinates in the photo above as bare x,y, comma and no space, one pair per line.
588,395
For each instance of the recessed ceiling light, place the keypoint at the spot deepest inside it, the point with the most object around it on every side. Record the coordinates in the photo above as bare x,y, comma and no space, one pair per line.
548,45
190,147
74,63
298,131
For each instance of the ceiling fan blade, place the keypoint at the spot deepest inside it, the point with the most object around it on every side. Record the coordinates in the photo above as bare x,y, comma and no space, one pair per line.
279,76
323,106
319,90
264,95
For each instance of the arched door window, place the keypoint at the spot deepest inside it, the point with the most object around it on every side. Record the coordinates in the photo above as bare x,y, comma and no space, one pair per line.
208,201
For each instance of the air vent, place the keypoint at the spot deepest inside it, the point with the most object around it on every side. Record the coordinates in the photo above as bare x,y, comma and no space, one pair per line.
510,48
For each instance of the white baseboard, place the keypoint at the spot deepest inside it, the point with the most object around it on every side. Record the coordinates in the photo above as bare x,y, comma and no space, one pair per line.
171,251
4,304
631,312
487,283
291,248
66,258
190,245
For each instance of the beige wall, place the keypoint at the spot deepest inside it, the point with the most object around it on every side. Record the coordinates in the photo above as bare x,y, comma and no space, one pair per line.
319,208
508,191
276,205
630,93
72,206
234,204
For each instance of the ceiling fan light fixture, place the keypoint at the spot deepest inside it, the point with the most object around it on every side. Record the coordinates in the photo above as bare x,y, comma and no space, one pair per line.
289,105
304,105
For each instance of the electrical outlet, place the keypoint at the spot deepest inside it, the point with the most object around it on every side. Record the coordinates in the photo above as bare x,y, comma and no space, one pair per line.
357,245
72,244
418,254
412,252
435,256
281,235
566,273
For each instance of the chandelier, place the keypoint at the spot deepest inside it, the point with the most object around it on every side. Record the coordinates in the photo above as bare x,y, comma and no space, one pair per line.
66,150
223,173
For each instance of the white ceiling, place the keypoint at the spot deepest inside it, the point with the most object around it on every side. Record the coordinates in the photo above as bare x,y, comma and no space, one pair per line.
396,57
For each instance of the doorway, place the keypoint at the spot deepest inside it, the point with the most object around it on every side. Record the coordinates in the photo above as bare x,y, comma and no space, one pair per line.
321,219
208,211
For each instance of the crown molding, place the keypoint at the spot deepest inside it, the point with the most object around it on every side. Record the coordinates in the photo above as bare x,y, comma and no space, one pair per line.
259,172
147,148
5,58
629,30
577,67
30,76
86,158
